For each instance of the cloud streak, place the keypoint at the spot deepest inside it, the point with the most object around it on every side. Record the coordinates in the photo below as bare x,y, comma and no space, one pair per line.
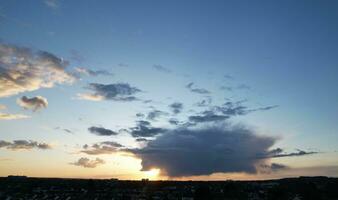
162,69
88,72
115,92
101,131
107,147
23,145
8,116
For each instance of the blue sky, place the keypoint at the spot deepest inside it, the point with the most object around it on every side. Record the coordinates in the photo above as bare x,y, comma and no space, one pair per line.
270,53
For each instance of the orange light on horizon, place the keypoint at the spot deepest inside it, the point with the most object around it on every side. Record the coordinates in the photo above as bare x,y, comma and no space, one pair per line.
152,174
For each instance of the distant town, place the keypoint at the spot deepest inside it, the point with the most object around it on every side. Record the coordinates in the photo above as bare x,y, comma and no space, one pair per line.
302,188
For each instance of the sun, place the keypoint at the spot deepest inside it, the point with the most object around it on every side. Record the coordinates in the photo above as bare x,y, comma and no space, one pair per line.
152,174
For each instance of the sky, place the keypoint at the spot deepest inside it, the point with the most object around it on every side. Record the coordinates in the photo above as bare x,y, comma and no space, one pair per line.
186,90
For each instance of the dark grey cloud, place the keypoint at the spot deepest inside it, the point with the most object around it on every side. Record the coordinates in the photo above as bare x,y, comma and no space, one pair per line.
204,102
140,115
101,131
116,92
213,149
226,111
155,114
264,108
207,118
162,69
88,72
273,167
176,107
142,140
236,108
196,90
34,103
278,152
24,145
106,147
87,163
22,70
174,121
144,129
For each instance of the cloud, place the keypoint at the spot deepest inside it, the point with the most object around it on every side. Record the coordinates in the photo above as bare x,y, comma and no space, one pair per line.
207,117
273,167
101,131
228,77
87,163
162,69
236,108
34,103
54,4
88,72
204,102
176,107
2,107
8,116
174,121
213,149
140,115
142,140
153,115
64,129
196,90
22,69
107,147
277,153
227,88
24,145
226,111
116,92
144,129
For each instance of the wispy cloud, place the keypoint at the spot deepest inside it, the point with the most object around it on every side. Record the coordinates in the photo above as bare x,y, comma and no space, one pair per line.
107,147
116,92
34,103
24,145
191,87
87,163
8,116
162,68
54,4
88,72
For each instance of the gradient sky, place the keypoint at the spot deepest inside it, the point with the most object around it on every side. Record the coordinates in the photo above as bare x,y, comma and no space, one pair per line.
254,79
